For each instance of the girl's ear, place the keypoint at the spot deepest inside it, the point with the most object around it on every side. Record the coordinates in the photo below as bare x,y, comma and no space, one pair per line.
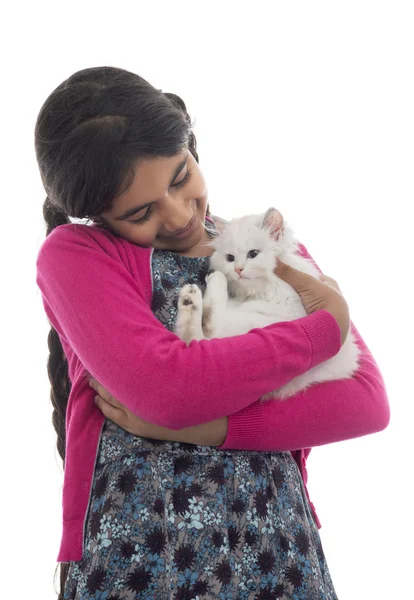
273,220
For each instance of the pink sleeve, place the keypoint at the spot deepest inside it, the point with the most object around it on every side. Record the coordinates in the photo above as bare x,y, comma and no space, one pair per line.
325,413
96,292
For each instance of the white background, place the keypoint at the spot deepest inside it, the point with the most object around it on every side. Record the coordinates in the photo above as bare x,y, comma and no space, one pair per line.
307,106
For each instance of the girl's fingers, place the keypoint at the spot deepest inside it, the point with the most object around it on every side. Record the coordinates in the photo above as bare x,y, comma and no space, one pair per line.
330,281
101,390
111,412
297,279
104,406
285,272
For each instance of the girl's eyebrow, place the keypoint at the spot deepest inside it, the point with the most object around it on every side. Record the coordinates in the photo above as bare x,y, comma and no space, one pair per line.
132,211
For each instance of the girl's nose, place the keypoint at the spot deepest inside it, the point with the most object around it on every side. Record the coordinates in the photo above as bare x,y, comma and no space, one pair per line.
177,216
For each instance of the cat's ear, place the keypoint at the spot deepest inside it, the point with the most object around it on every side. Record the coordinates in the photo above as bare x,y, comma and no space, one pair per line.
273,220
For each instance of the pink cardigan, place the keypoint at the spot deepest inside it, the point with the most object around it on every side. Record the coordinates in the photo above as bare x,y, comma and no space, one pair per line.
97,289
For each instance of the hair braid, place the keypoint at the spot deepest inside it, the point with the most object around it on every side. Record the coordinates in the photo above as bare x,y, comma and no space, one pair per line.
57,364
57,370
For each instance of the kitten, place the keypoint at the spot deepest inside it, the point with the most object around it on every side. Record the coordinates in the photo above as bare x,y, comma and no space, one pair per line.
243,293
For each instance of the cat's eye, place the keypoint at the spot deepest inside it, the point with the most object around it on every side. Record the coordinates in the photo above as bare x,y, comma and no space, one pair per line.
253,253
229,257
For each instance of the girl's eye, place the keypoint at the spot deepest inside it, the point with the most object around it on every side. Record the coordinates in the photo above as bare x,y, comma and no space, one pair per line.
145,217
253,253
229,257
183,181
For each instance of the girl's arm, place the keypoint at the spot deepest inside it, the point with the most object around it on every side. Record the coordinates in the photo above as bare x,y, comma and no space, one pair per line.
328,412
324,413
96,290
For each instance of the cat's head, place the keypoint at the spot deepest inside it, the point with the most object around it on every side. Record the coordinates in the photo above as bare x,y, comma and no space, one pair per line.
246,248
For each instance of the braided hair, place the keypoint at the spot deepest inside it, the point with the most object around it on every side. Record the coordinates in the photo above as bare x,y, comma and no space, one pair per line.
89,134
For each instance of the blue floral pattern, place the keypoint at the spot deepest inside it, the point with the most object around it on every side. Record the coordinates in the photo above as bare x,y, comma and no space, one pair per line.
171,521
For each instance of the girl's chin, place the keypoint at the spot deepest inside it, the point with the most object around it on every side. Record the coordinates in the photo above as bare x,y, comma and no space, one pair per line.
181,244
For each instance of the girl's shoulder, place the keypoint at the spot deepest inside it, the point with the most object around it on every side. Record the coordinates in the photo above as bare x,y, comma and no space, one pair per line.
75,247
85,238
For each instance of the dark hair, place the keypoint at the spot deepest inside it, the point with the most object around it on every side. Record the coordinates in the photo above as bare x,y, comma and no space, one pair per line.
89,134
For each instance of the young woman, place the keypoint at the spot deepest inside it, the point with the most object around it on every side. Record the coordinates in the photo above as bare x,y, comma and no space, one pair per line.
145,514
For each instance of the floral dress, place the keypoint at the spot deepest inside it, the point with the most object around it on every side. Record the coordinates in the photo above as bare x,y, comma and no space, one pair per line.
173,521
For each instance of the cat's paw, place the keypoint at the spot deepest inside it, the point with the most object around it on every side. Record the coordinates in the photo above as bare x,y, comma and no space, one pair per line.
190,297
217,283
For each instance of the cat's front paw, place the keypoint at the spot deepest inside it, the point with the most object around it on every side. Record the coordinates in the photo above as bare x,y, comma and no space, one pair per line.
190,297
217,283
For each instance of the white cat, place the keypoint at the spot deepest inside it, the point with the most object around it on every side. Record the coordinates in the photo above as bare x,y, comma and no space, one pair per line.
243,293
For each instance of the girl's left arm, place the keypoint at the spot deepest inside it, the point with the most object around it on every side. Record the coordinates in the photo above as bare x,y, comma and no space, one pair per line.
328,412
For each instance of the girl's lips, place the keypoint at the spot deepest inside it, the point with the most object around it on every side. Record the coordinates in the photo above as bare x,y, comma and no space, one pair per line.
188,230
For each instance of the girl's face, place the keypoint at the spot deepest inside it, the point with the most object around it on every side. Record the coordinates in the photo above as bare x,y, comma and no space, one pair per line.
164,207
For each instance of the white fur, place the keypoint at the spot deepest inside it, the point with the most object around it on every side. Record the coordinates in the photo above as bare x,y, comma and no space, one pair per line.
236,303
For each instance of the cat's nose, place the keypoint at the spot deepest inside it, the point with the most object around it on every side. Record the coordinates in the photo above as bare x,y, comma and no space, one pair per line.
239,270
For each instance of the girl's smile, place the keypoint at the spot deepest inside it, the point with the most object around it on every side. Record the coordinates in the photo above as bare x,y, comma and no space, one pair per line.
164,206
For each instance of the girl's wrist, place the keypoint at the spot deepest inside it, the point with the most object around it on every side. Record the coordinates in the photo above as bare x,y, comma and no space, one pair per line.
221,430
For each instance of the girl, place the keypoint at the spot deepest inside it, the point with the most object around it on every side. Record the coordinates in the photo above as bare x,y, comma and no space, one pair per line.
145,514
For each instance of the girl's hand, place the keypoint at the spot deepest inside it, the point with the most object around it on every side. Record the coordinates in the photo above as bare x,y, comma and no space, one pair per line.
330,282
208,434
317,294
